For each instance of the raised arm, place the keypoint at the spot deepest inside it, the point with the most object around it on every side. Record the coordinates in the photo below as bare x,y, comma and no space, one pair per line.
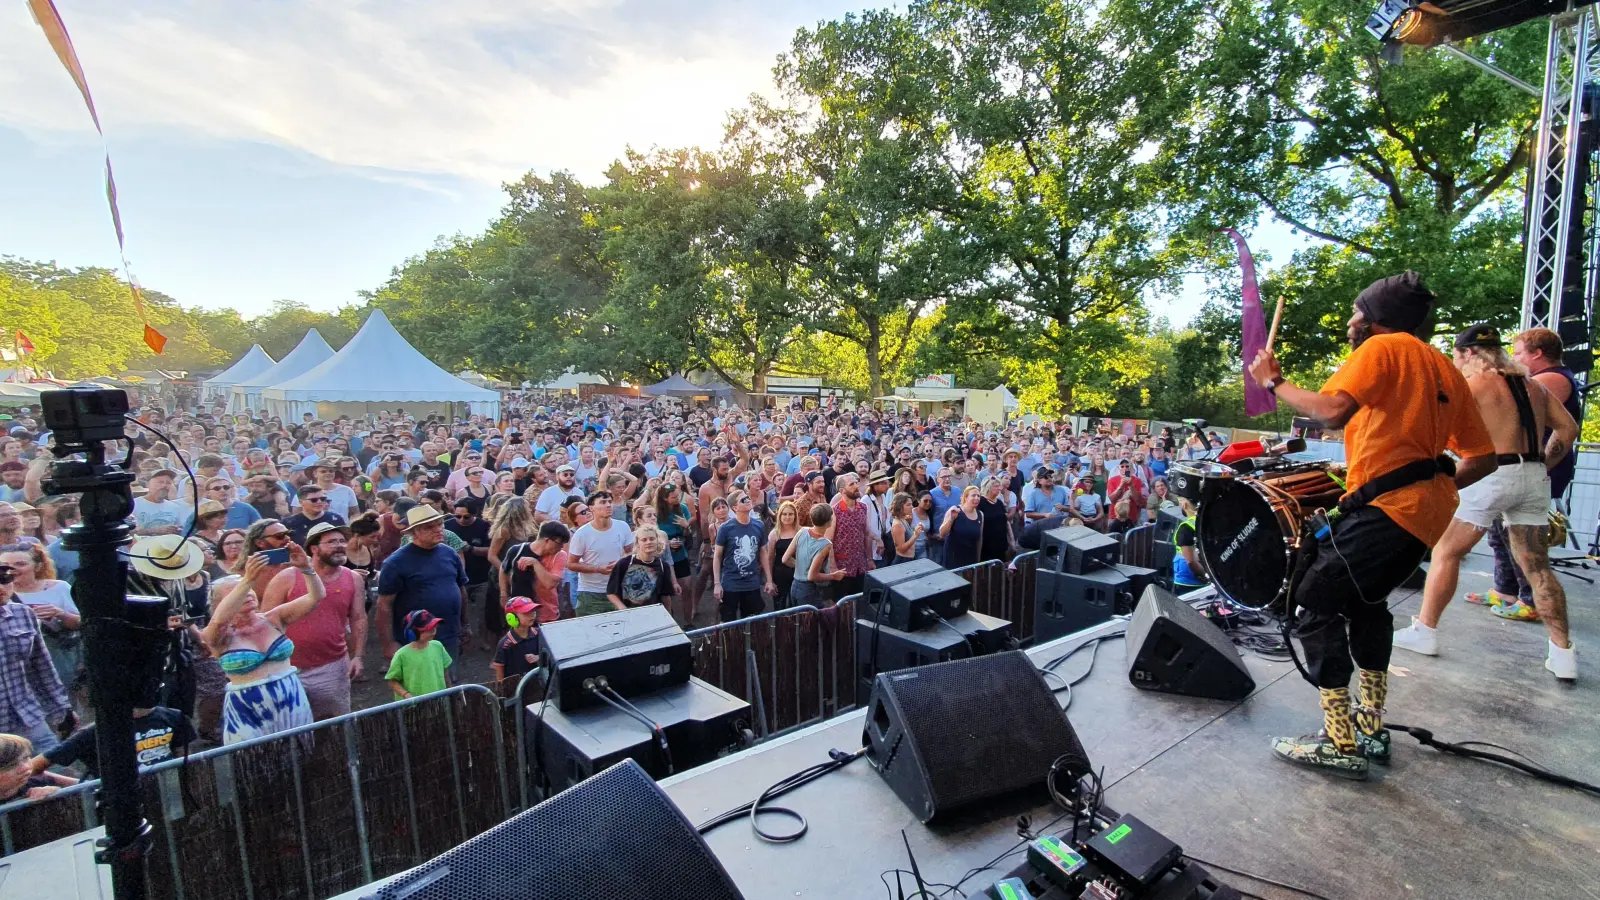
300,607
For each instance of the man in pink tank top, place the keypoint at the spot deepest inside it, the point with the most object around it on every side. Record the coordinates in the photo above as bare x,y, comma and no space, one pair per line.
329,642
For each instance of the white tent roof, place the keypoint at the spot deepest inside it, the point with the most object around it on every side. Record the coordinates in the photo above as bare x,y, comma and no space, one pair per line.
570,381
307,355
378,366
253,363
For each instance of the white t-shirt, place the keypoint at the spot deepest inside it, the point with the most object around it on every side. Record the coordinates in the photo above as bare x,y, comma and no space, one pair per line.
550,501
341,501
58,594
148,514
594,547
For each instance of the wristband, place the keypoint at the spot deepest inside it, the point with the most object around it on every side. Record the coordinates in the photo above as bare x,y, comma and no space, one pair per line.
1273,387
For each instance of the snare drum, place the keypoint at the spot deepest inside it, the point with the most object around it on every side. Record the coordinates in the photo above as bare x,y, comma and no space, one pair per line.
1248,533
1195,480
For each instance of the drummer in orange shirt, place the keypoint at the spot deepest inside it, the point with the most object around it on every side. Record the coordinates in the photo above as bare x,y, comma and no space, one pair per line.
1401,404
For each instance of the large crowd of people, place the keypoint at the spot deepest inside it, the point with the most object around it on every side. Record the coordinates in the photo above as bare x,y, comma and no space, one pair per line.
283,544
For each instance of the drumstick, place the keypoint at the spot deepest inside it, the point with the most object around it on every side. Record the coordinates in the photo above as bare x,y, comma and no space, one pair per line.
1277,316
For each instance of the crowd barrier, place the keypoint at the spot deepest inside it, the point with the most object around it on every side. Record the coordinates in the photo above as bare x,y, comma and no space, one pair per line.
310,812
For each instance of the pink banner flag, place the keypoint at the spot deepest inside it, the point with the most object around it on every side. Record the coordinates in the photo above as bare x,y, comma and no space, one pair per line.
1257,399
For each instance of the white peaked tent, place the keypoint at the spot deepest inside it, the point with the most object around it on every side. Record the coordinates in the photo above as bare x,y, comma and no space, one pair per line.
307,355
253,363
377,370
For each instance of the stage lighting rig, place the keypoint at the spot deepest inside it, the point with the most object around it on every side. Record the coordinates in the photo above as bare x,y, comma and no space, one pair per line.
1429,24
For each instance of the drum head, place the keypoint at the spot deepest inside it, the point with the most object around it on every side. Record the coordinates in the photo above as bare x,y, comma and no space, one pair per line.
1241,538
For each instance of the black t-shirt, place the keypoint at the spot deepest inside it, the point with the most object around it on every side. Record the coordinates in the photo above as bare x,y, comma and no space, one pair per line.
521,485
298,525
641,583
699,475
438,473
522,582
518,656
475,536
157,736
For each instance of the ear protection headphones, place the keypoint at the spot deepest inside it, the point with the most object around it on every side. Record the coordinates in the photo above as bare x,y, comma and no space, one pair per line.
409,635
511,619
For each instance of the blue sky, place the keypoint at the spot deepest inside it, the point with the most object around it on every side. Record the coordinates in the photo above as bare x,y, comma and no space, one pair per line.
300,149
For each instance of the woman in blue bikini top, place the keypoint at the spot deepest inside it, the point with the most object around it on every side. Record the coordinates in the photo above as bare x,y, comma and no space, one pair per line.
251,646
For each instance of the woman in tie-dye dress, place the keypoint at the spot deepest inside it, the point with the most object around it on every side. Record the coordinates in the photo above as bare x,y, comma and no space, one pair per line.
264,691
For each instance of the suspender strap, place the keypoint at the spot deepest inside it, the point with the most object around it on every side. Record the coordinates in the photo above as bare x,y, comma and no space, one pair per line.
1530,424
1394,480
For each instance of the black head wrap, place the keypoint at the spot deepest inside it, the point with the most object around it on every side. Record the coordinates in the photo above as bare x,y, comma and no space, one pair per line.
1400,302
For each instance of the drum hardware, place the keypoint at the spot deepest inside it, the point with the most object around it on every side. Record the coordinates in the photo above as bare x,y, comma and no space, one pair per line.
1251,529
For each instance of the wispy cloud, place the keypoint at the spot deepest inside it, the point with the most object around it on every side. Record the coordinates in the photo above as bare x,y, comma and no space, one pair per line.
482,89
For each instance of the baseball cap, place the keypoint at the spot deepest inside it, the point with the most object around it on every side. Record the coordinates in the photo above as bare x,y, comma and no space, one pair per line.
520,463
1479,336
13,466
420,620
565,468
520,605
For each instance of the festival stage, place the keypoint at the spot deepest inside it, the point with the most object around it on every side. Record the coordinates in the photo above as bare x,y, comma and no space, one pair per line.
1431,826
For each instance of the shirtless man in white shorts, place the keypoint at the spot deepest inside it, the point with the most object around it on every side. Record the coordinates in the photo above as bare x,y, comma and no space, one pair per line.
1518,492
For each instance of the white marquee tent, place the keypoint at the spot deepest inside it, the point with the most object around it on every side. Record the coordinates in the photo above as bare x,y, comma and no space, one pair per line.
377,370
253,363
307,355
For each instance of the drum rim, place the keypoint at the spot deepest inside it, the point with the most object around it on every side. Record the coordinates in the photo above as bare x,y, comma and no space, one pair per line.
1290,546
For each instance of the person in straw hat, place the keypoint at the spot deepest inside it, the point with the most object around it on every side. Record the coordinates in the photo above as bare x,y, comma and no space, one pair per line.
423,574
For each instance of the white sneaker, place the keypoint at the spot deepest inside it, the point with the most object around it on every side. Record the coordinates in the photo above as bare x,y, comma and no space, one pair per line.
1418,638
1562,663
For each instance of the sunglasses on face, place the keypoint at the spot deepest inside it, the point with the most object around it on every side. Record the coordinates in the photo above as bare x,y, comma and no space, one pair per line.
276,537
313,499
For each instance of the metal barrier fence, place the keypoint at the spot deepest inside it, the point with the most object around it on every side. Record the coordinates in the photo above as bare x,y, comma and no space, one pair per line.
313,811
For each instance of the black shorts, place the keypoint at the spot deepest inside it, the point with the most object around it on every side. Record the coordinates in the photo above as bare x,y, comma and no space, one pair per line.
681,568
741,604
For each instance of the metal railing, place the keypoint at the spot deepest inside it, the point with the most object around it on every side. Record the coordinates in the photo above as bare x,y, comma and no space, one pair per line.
312,811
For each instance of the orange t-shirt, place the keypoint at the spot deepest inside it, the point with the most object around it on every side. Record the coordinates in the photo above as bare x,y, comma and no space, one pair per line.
1399,381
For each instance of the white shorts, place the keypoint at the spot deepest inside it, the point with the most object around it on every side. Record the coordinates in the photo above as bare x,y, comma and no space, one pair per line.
1520,494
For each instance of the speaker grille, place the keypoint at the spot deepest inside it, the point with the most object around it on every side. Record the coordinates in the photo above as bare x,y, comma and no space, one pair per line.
616,836
984,726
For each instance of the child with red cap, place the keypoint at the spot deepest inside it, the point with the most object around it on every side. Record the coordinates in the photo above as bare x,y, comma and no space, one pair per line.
518,652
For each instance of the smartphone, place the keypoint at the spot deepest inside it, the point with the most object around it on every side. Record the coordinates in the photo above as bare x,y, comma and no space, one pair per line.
278,557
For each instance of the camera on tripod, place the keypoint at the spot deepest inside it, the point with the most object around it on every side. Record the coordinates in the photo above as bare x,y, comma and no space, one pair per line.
79,417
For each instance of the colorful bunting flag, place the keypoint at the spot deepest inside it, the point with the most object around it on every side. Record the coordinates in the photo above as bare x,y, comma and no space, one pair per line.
1257,399
55,31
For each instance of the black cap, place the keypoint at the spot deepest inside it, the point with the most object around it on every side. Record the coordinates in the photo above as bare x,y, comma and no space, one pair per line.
1400,302
1479,336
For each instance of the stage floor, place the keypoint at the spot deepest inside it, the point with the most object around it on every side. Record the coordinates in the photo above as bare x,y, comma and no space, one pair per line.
1430,826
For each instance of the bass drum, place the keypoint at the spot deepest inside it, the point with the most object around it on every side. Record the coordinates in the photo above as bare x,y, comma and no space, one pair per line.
1248,533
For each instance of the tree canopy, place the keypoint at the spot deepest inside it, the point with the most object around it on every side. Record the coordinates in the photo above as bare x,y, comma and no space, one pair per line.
994,188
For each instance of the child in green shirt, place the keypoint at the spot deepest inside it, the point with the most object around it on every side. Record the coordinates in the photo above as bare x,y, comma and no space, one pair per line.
419,667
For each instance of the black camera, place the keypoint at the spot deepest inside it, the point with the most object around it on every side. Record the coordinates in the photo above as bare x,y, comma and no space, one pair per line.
82,416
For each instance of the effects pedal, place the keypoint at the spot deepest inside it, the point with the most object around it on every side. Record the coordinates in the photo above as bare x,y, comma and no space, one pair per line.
1061,865
1009,889
1133,852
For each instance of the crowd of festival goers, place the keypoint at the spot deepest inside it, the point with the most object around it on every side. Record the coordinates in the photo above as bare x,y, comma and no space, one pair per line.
281,545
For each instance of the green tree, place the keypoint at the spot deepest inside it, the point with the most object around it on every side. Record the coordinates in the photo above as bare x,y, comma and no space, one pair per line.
858,127
1051,107
1389,167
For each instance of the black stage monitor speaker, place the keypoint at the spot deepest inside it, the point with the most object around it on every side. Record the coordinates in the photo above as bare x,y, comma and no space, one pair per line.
1175,650
636,650
1139,578
1064,603
1076,549
921,602
969,634
635,845
698,723
950,735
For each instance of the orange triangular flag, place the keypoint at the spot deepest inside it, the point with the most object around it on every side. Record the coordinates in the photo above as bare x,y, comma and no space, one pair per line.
154,339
